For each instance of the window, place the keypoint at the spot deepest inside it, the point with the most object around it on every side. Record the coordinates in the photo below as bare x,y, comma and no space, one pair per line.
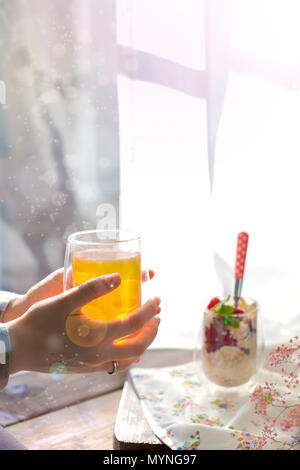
181,115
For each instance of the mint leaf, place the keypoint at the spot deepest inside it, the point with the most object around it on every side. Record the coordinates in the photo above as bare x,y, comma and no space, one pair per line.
221,308
217,308
225,313
233,322
227,309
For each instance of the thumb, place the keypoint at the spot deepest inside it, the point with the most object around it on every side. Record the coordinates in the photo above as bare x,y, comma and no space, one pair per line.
89,290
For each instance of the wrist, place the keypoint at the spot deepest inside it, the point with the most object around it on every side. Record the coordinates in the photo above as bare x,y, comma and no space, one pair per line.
13,328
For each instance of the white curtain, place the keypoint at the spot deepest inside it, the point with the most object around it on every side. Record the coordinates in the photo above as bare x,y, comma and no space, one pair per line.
187,110
210,102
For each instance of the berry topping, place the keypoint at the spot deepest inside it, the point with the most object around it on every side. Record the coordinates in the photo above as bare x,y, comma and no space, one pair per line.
238,313
238,310
213,303
210,347
229,340
210,339
216,337
210,334
225,312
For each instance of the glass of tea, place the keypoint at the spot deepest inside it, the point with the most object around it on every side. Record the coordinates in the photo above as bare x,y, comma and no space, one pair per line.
95,253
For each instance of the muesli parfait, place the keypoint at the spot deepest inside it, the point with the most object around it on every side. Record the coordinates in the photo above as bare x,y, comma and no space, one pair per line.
229,348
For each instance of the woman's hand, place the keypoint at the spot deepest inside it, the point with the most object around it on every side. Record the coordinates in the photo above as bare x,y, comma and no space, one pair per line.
49,287
56,331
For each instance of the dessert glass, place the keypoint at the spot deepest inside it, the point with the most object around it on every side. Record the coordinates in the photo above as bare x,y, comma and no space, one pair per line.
230,352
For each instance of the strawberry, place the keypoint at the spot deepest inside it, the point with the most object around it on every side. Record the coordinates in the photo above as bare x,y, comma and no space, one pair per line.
213,302
238,310
229,340
210,339
210,333
238,313
210,347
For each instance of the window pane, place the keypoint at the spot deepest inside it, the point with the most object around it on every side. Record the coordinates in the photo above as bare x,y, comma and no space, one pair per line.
59,129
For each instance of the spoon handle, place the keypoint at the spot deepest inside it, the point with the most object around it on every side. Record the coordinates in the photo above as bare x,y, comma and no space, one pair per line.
240,261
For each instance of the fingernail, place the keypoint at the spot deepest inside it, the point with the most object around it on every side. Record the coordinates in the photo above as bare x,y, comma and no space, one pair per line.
151,273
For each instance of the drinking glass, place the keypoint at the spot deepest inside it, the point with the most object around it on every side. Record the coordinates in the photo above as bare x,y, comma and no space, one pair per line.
95,253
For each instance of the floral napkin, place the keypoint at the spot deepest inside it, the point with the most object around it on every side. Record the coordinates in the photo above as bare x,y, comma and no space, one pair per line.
186,413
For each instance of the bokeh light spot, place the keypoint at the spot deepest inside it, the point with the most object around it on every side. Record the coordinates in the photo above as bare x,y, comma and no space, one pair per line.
58,370
84,331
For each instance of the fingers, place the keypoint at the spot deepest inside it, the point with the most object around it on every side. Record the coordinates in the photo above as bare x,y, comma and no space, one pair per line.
136,346
57,276
134,321
50,286
147,275
54,283
90,290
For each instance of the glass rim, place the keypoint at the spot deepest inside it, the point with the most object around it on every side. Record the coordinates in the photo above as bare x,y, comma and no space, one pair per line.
131,236
247,300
